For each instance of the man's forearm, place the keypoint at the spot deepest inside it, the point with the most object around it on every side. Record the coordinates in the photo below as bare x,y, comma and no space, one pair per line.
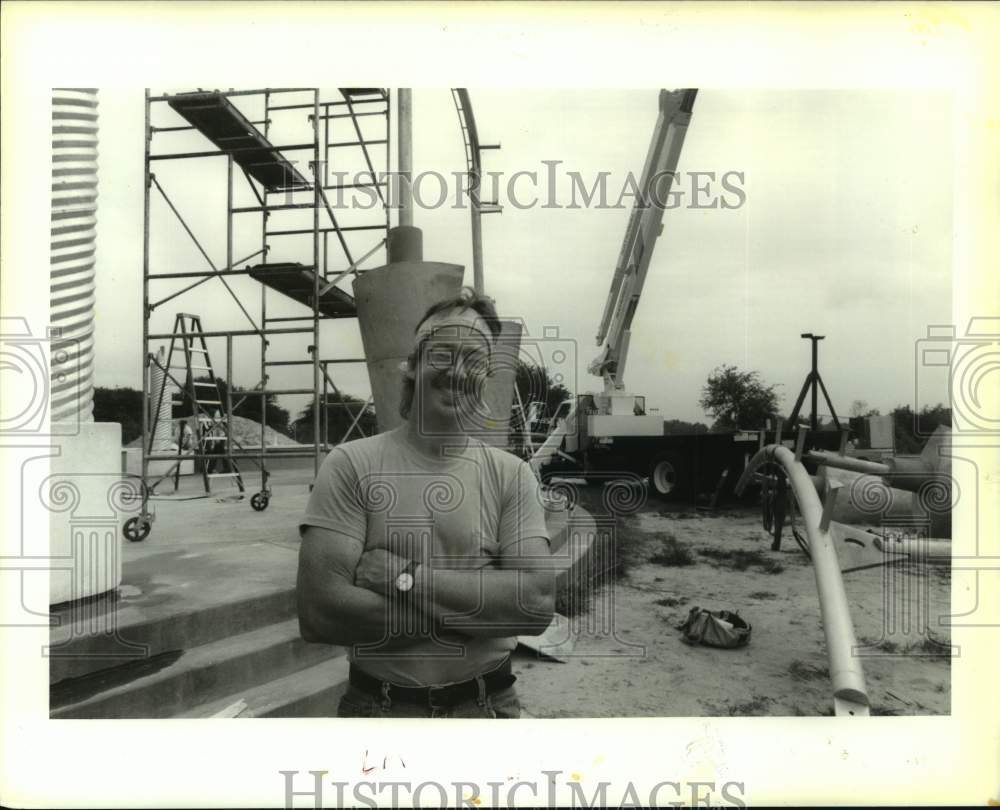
354,615
348,615
486,601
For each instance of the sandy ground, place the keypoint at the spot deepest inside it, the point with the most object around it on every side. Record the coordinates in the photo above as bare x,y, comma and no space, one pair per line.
629,660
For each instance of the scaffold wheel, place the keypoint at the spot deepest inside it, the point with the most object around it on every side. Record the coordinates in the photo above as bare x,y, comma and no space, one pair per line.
136,529
259,501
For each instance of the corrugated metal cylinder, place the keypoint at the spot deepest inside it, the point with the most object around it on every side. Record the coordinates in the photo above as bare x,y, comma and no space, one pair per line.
73,246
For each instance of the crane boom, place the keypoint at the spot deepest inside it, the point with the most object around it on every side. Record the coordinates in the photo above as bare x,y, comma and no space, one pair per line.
644,227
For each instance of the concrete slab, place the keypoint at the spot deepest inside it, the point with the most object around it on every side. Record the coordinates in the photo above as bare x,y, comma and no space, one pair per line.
83,493
171,683
311,692
175,599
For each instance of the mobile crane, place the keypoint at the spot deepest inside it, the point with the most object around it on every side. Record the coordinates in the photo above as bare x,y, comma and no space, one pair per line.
615,412
608,432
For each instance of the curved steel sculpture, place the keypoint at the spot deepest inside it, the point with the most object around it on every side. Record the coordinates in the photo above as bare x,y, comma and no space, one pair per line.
474,171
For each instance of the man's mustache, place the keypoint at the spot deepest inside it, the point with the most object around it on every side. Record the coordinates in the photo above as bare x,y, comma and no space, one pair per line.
451,381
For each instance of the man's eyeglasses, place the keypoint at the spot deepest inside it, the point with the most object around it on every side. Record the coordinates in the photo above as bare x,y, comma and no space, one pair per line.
471,356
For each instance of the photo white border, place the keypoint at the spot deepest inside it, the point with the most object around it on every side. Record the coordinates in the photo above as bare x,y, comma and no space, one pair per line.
897,760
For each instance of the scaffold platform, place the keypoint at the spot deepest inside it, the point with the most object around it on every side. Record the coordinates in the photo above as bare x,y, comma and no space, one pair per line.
219,120
297,281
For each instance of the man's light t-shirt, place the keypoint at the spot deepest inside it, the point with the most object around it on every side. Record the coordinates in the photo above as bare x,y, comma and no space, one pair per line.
461,511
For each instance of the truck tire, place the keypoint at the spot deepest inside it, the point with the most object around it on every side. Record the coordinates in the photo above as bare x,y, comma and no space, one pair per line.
664,477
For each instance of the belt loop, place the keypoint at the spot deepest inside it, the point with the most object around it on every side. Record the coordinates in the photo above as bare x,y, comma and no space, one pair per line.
481,684
386,700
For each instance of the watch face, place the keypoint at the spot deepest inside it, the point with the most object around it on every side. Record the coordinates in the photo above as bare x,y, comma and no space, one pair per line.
404,582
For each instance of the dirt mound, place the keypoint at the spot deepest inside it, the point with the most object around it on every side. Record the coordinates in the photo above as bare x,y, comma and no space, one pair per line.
247,433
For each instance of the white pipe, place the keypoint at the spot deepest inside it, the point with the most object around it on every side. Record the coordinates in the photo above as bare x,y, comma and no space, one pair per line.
849,691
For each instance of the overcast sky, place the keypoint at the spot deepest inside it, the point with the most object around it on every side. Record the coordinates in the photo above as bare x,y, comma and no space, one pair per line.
845,231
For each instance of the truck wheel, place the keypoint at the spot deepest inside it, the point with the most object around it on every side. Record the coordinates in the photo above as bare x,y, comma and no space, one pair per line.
664,477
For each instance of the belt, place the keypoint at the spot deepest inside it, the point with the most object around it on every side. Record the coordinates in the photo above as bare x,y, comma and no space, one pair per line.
434,696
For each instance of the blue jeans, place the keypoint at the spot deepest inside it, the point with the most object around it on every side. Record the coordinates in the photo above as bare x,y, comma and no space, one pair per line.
503,704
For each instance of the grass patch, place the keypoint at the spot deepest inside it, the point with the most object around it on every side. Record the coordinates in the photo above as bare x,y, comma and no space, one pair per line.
678,515
615,553
802,671
631,546
670,601
740,559
575,602
885,644
925,648
671,552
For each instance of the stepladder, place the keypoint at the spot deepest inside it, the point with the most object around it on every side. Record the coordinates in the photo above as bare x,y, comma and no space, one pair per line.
210,430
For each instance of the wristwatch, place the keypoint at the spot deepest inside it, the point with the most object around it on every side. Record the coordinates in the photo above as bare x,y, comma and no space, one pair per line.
404,582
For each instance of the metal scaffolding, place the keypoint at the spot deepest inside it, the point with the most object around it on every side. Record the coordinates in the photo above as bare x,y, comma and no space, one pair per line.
270,174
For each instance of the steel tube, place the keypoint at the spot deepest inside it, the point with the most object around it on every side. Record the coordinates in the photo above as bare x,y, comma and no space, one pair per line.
404,112
229,213
343,229
234,333
477,246
234,93
147,179
318,195
327,104
339,144
858,465
850,693
328,117
309,362
294,147
203,274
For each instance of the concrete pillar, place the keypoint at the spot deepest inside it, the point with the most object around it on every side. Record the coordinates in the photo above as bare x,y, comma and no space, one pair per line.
84,492
390,301
499,398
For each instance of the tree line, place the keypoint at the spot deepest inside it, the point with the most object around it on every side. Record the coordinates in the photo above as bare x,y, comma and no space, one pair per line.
735,399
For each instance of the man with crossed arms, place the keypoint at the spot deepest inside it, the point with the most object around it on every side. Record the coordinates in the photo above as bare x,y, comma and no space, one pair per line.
424,550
